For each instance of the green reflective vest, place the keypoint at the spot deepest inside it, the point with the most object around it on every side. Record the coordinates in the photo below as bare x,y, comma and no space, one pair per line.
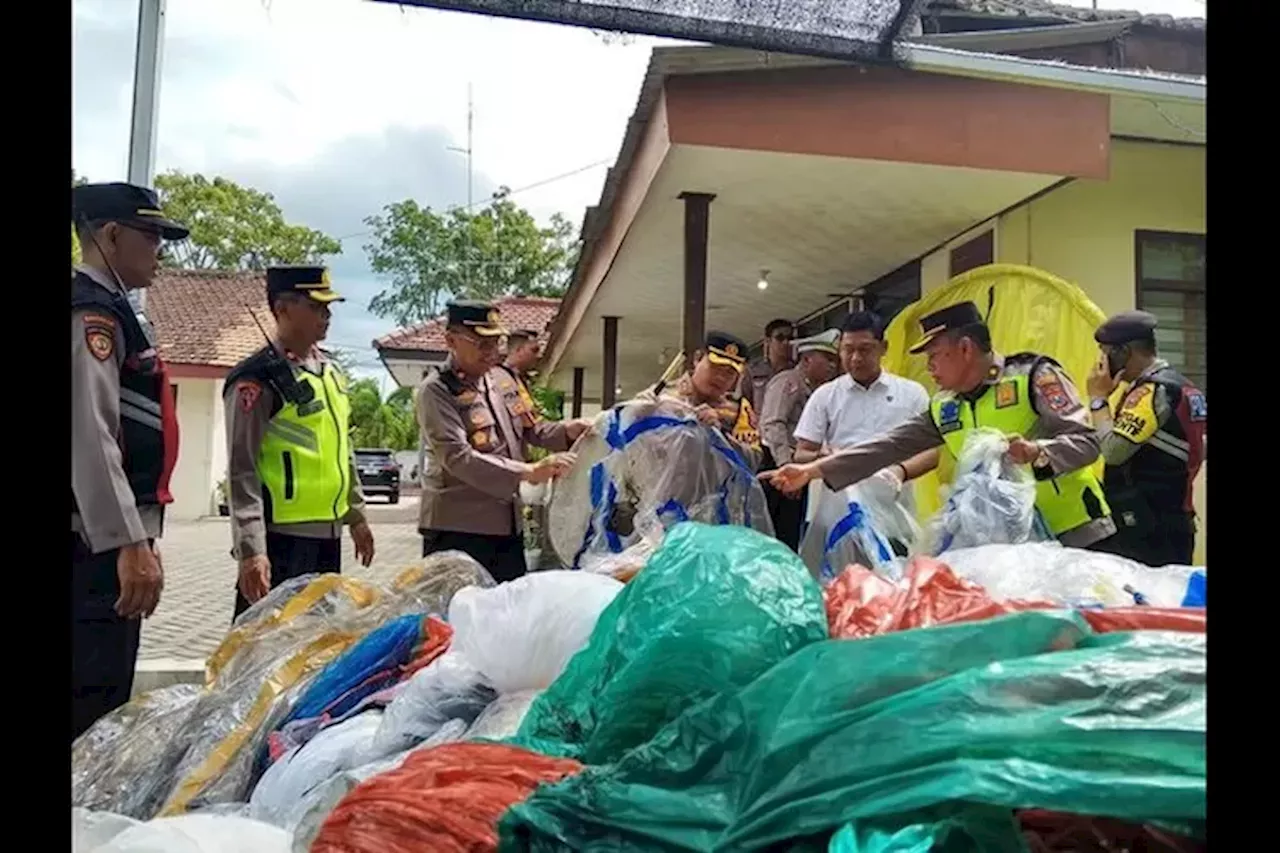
1006,406
305,459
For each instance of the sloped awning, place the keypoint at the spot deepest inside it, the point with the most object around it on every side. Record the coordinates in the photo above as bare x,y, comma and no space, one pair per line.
847,29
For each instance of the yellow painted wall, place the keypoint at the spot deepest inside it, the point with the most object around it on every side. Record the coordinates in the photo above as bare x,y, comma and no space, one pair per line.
1084,232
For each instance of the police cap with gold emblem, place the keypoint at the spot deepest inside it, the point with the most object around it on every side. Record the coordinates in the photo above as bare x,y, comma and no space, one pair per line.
309,281
480,318
947,319
726,350
1127,327
129,204
824,342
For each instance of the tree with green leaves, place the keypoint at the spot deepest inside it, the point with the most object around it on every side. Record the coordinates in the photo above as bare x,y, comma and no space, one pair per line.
500,250
375,422
234,227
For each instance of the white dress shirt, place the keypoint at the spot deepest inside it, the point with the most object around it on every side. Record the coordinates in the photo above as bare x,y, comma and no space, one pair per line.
843,413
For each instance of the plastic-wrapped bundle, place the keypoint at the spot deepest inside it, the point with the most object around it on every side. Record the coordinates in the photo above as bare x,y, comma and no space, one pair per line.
864,524
1027,710
645,460
991,500
522,633
503,717
1077,578
378,661
863,604
330,752
245,702
446,800
125,762
450,688
194,833
305,817
714,608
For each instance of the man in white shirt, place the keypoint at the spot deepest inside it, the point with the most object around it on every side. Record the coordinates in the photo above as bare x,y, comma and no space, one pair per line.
865,403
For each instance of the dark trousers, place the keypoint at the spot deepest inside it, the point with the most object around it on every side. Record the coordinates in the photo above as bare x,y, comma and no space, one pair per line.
104,646
502,556
294,556
787,514
1163,539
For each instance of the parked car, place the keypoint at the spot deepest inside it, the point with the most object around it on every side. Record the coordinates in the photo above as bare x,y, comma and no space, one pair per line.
379,473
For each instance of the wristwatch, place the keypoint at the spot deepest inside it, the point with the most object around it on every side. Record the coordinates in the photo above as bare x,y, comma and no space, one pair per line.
1097,405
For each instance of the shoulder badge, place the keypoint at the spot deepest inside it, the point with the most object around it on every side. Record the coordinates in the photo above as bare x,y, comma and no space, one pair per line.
1197,406
1006,394
1052,390
100,335
247,394
479,439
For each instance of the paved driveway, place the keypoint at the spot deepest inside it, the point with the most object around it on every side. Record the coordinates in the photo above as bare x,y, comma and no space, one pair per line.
199,591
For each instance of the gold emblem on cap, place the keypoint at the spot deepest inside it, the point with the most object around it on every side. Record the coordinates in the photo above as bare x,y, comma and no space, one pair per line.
731,350
494,318
324,279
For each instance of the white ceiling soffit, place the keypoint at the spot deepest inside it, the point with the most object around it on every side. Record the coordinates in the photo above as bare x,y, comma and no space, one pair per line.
847,29
820,225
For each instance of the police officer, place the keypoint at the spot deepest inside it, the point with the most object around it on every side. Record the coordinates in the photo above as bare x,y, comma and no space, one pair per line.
784,399
1152,422
523,352
292,482
1028,397
776,358
124,442
478,427
707,389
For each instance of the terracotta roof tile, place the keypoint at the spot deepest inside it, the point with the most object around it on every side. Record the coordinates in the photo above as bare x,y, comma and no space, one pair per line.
200,316
518,312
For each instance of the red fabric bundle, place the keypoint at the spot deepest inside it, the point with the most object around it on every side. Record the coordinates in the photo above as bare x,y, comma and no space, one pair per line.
1054,832
446,800
860,603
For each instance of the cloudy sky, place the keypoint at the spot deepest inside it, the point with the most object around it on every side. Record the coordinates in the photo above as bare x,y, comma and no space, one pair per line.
339,107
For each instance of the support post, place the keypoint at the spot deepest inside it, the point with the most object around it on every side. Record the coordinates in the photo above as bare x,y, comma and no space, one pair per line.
575,410
146,101
146,91
609,393
697,220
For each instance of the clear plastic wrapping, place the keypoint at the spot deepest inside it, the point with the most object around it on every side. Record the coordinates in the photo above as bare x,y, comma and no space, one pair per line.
502,718
125,761
1046,571
262,667
991,499
449,688
648,461
865,524
521,634
331,751
193,833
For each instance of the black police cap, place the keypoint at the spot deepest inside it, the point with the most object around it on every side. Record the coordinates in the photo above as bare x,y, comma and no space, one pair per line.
946,320
1127,327
724,349
127,204
480,317
312,281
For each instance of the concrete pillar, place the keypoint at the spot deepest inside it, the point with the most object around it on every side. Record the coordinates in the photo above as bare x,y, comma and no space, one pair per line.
697,213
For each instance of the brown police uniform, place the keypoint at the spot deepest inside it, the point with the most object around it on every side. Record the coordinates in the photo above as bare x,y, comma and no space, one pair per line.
478,432
783,402
124,446
1153,452
737,417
